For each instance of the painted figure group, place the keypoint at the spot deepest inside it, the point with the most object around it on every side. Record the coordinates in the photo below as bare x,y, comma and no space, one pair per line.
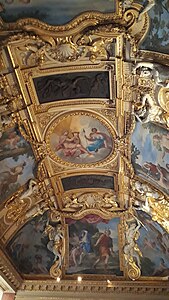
70,143
83,246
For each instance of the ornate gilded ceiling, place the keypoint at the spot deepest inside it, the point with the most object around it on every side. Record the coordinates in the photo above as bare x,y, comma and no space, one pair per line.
84,149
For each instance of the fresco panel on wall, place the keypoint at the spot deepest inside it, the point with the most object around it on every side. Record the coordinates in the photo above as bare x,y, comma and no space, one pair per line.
154,246
16,162
157,37
28,248
150,154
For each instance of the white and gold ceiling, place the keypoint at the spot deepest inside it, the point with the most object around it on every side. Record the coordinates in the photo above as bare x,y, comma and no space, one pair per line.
84,146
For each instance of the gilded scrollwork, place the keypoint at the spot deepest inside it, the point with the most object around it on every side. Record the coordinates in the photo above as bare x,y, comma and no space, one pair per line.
35,200
11,102
20,203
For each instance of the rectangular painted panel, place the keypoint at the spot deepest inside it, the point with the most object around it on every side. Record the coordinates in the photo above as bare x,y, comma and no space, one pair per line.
88,181
93,246
72,86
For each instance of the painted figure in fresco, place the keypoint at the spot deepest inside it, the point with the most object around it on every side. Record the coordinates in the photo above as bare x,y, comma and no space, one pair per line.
97,140
162,269
10,176
105,247
98,86
162,140
85,244
161,239
39,267
11,142
74,87
75,252
164,176
19,245
151,170
71,146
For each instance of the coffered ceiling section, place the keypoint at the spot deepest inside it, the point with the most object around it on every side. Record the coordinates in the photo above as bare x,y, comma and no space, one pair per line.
84,149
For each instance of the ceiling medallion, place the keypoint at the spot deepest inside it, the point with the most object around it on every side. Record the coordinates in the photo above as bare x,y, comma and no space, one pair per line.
81,138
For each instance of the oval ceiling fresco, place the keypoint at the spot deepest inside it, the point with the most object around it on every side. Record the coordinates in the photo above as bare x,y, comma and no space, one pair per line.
80,138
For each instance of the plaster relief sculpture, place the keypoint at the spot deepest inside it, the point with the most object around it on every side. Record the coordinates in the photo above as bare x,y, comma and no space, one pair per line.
106,202
131,251
153,106
149,111
56,246
149,70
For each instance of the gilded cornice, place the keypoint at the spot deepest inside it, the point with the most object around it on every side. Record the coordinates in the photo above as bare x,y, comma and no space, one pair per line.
93,287
157,57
